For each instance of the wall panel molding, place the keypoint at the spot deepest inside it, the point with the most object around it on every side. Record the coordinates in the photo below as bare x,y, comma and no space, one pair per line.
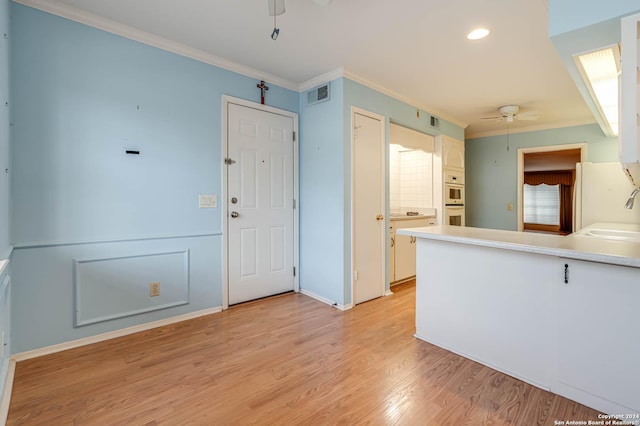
107,288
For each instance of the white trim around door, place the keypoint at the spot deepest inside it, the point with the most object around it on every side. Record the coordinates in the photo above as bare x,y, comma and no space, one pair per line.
521,152
226,100
382,208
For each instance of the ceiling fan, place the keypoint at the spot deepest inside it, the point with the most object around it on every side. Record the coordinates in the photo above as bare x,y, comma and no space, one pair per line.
509,113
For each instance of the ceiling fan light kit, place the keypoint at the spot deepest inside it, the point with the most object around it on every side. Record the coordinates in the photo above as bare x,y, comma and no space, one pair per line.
509,113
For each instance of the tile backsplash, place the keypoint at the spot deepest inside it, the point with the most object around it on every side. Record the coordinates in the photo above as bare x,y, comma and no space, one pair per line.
410,179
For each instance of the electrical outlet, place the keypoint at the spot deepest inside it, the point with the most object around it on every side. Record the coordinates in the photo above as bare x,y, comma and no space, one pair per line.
154,289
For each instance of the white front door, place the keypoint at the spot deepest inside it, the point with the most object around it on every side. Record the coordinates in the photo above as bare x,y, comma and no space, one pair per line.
260,197
368,207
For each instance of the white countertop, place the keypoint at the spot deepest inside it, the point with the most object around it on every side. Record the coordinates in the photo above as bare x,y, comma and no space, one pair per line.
425,213
615,252
420,216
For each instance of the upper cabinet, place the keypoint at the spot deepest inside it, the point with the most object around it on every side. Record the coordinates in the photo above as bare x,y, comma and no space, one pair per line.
630,90
452,153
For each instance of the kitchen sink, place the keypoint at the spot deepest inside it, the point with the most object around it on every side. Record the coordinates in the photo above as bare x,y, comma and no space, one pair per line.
620,232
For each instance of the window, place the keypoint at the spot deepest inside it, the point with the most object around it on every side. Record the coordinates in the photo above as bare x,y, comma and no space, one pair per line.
542,204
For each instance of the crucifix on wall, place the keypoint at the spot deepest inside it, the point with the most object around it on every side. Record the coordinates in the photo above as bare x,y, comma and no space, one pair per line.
263,88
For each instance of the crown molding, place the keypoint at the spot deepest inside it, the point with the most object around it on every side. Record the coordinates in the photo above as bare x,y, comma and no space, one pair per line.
341,72
321,79
74,14
78,15
358,79
538,128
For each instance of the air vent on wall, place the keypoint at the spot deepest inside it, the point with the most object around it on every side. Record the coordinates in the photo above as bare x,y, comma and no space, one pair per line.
434,122
317,95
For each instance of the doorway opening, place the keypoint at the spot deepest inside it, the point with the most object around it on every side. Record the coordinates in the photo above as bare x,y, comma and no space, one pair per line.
546,178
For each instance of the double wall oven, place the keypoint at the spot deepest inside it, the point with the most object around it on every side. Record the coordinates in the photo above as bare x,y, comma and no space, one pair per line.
453,198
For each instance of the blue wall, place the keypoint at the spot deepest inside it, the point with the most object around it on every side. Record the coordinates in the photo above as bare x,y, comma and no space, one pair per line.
322,178
358,95
569,15
81,96
5,200
491,171
325,181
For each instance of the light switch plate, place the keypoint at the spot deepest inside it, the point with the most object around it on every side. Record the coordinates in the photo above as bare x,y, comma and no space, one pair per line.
207,201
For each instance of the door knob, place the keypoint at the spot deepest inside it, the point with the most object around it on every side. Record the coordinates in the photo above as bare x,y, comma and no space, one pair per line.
234,214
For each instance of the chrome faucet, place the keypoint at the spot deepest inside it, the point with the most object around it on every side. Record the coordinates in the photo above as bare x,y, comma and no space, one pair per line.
629,204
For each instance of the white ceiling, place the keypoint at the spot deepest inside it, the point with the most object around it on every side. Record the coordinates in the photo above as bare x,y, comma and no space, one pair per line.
415,49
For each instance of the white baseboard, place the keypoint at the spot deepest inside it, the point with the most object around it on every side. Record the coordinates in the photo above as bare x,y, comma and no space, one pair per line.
325,300
388,292
111,335
6,393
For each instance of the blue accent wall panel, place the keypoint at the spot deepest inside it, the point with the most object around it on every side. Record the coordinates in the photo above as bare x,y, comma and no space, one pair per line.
491,180
81,97
322,203
109,288
325,181
5,105
43,301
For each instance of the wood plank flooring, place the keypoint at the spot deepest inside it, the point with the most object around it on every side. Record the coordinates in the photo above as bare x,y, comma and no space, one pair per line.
283,360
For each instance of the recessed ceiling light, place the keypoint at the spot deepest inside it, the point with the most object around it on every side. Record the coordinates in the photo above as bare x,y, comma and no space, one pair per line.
478,33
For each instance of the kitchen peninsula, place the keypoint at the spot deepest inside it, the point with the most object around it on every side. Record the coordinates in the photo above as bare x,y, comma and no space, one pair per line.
558,312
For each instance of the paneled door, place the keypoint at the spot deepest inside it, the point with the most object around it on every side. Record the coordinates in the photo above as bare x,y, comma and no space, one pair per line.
368,206
260,203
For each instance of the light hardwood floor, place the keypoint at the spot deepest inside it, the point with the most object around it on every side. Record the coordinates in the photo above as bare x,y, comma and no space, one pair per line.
283,360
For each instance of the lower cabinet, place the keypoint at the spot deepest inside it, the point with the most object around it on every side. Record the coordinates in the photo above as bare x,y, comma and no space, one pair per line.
403,249
597,332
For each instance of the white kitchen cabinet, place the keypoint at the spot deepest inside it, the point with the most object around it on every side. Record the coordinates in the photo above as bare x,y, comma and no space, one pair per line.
405,257
630,97
392,252
452,153
403,250
630,90
597,333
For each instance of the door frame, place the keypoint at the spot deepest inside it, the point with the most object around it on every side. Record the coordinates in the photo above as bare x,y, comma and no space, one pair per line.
226,100
521,152
383,203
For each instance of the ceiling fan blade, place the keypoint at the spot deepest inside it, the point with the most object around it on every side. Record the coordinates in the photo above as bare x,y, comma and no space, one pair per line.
492,118
276,7
529,115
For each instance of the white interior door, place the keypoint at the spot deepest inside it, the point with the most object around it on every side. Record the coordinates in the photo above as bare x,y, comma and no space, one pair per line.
260,197
368,207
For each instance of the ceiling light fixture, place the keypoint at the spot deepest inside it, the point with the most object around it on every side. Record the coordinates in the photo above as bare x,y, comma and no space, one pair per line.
600,70
478,33
276,7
